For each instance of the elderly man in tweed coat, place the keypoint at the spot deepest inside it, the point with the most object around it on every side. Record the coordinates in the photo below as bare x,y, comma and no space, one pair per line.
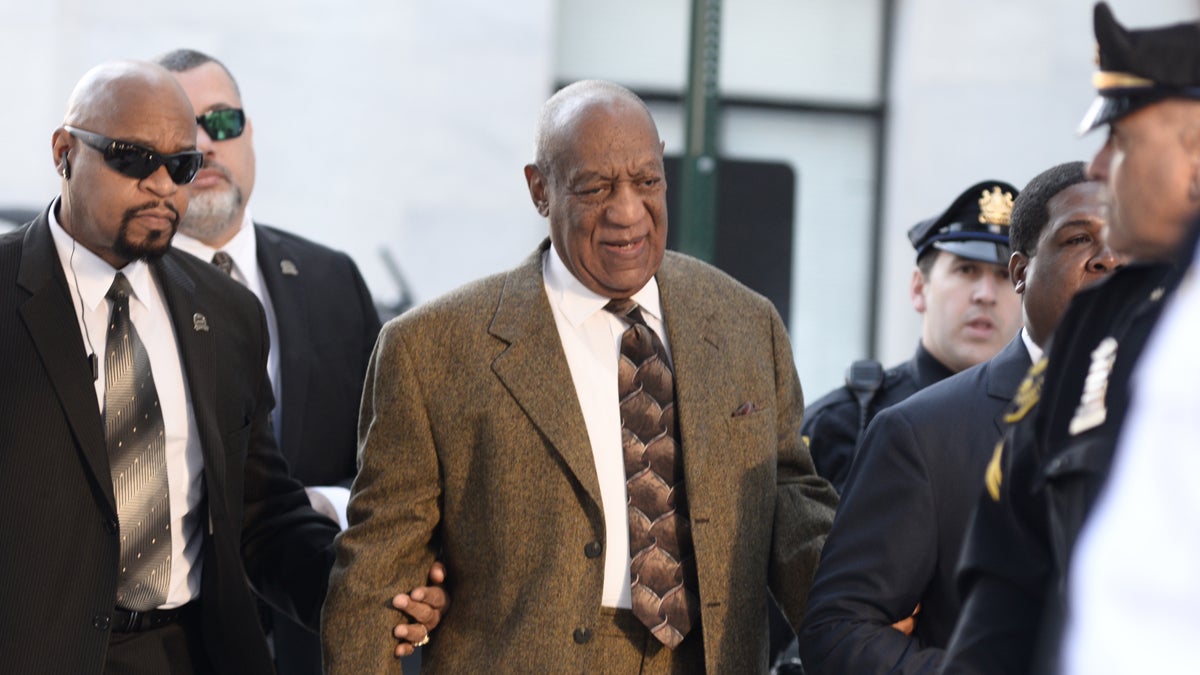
491,437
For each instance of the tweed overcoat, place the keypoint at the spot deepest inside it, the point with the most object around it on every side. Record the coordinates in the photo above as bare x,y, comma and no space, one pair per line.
473,449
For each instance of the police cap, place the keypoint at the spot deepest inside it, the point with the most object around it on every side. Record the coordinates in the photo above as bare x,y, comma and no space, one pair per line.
975,226
1141,67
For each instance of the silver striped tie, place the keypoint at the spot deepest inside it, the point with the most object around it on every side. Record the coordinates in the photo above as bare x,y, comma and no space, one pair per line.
136,439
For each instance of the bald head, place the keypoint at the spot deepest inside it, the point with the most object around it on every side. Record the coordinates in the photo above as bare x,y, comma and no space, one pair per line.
562,113
119,90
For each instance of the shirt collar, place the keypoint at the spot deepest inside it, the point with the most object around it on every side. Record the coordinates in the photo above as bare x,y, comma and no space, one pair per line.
1035,352
91,274
242,248
578,302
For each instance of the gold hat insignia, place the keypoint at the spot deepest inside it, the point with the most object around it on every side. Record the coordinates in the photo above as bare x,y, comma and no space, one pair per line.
995,207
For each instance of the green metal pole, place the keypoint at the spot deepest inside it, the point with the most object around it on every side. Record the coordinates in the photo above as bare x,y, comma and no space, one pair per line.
698,200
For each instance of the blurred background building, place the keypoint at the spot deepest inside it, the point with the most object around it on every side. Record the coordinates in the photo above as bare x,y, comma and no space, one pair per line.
401,126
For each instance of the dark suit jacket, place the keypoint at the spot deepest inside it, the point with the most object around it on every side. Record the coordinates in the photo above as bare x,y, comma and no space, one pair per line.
831,423
900,525
1017,551
58,562
327,327
475,448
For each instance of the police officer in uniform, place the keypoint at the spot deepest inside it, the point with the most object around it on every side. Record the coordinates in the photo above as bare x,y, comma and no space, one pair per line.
1079,557
969,311
900,524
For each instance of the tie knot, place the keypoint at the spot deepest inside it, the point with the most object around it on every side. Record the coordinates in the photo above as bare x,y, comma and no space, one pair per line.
625,309
120,289
223,261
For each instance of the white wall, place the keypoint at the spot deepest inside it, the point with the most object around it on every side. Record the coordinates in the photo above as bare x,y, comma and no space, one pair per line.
392,123
983,89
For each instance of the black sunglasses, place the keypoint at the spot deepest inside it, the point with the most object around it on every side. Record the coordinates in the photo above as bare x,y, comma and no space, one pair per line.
224,124
137,161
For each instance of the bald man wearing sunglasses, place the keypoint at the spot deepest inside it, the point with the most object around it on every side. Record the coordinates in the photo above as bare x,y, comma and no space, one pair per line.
142,495
320,316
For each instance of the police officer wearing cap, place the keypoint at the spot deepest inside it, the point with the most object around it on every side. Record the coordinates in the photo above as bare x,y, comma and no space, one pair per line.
900,524
968,309
1082,553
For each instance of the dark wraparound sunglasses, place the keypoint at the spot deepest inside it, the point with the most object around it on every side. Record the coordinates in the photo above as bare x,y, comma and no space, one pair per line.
137,161
224,124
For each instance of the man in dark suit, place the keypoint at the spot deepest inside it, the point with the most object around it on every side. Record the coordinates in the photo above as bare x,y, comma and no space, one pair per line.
960,287
320,316
88,284
1081,555
896,539
548,441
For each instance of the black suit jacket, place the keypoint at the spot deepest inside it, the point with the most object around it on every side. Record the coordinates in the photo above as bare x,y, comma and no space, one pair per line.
327,328
899,528
831,423
1017,552
59,556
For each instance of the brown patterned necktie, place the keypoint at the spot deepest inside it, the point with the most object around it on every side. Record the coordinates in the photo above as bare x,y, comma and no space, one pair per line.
663,561
223,261
137,454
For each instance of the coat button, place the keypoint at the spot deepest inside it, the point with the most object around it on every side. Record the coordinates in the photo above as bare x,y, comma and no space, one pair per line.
593,549
583,635
100,622
111,526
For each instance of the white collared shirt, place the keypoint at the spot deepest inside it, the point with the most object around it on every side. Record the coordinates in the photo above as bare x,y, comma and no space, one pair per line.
591,340
1133,583
1035,352
88,278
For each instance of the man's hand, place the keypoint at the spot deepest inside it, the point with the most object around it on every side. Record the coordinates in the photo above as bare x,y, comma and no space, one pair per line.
425,606
908,625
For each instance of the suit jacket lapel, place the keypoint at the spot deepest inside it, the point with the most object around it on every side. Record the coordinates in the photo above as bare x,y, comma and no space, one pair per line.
193,333
1005,372
695,347
49,315
290,305
541,385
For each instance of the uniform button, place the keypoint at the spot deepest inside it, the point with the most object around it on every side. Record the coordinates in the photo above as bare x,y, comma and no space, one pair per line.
111,526
593,549
100,622
583,635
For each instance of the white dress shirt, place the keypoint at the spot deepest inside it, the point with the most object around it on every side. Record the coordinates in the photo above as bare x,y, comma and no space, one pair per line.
1134,584
89,278
591,340
1035,352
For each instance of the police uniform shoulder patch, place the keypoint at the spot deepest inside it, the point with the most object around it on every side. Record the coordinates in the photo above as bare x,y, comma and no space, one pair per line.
1092,411
1028,393
994,475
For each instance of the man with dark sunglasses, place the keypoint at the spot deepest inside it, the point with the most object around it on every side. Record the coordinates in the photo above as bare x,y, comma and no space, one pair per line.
142,495
320,316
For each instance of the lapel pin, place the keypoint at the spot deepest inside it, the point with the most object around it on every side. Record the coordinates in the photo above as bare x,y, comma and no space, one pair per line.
289,268
199,322
1091,411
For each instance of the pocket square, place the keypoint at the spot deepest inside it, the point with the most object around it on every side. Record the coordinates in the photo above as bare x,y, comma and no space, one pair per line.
746,408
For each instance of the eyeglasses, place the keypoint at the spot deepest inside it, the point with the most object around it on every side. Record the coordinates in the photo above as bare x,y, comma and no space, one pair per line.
136,161
224,124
